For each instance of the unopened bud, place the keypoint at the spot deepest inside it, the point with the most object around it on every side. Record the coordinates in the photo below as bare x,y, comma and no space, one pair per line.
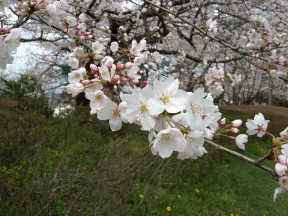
109,64
85,82
233,130
209,135
128,65
93,67
119,66
236,123
116,77
135,81
282,159
223,121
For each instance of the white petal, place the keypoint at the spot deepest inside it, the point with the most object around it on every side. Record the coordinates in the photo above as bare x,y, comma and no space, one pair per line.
115,123
147,121
164,150
155,106
104,114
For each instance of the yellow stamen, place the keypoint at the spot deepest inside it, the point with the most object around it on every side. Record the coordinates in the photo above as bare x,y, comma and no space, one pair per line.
116,113
166,96
98,97
143,108
167,139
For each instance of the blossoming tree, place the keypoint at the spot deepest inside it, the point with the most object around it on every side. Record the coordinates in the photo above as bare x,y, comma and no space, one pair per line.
159,64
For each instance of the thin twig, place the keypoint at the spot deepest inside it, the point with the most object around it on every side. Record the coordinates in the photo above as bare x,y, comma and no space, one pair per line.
245,158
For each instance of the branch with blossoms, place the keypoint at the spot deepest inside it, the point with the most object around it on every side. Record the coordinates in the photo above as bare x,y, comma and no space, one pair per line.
120,76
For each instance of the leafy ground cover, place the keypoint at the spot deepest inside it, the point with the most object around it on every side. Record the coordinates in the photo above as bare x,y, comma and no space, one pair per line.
74,165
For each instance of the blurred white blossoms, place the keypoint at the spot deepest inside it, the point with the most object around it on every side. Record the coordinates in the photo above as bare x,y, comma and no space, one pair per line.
97,47
283,185
211,25
114,46
8,45
257,125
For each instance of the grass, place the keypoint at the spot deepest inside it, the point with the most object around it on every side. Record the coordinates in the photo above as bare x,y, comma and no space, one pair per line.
74,165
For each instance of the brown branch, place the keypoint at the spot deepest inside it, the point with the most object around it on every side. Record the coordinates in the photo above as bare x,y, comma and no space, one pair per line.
245,158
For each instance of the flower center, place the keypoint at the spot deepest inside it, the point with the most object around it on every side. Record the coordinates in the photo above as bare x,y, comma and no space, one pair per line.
116,113
198,109
166,96
143,108
98,97
167,139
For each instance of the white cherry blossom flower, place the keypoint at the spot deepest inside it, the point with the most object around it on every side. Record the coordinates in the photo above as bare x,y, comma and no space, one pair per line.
97,99
13,39
138,109
114,46
284,149
283,186
76,75
240,140
284,134
167,141
280,169
111,112
168,97
255,126
73,63
71,20
209,78
75,89
97,47
106,73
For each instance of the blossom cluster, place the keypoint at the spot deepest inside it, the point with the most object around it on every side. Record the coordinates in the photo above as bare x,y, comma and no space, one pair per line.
177,120
213,79
279,149
9,41
281,153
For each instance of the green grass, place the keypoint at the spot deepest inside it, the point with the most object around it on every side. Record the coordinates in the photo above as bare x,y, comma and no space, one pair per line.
75,165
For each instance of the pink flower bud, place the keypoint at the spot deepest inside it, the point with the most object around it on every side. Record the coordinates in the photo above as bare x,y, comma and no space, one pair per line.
82,37
234,130
93,67
223,121
135,81
116,77
115,87
236,123
85,82
93,112
90,36
144,84
128,65
146,66
209,135
119,66
109,64
124,79
282,159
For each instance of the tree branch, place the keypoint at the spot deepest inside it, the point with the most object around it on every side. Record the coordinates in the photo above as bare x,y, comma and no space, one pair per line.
245,158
